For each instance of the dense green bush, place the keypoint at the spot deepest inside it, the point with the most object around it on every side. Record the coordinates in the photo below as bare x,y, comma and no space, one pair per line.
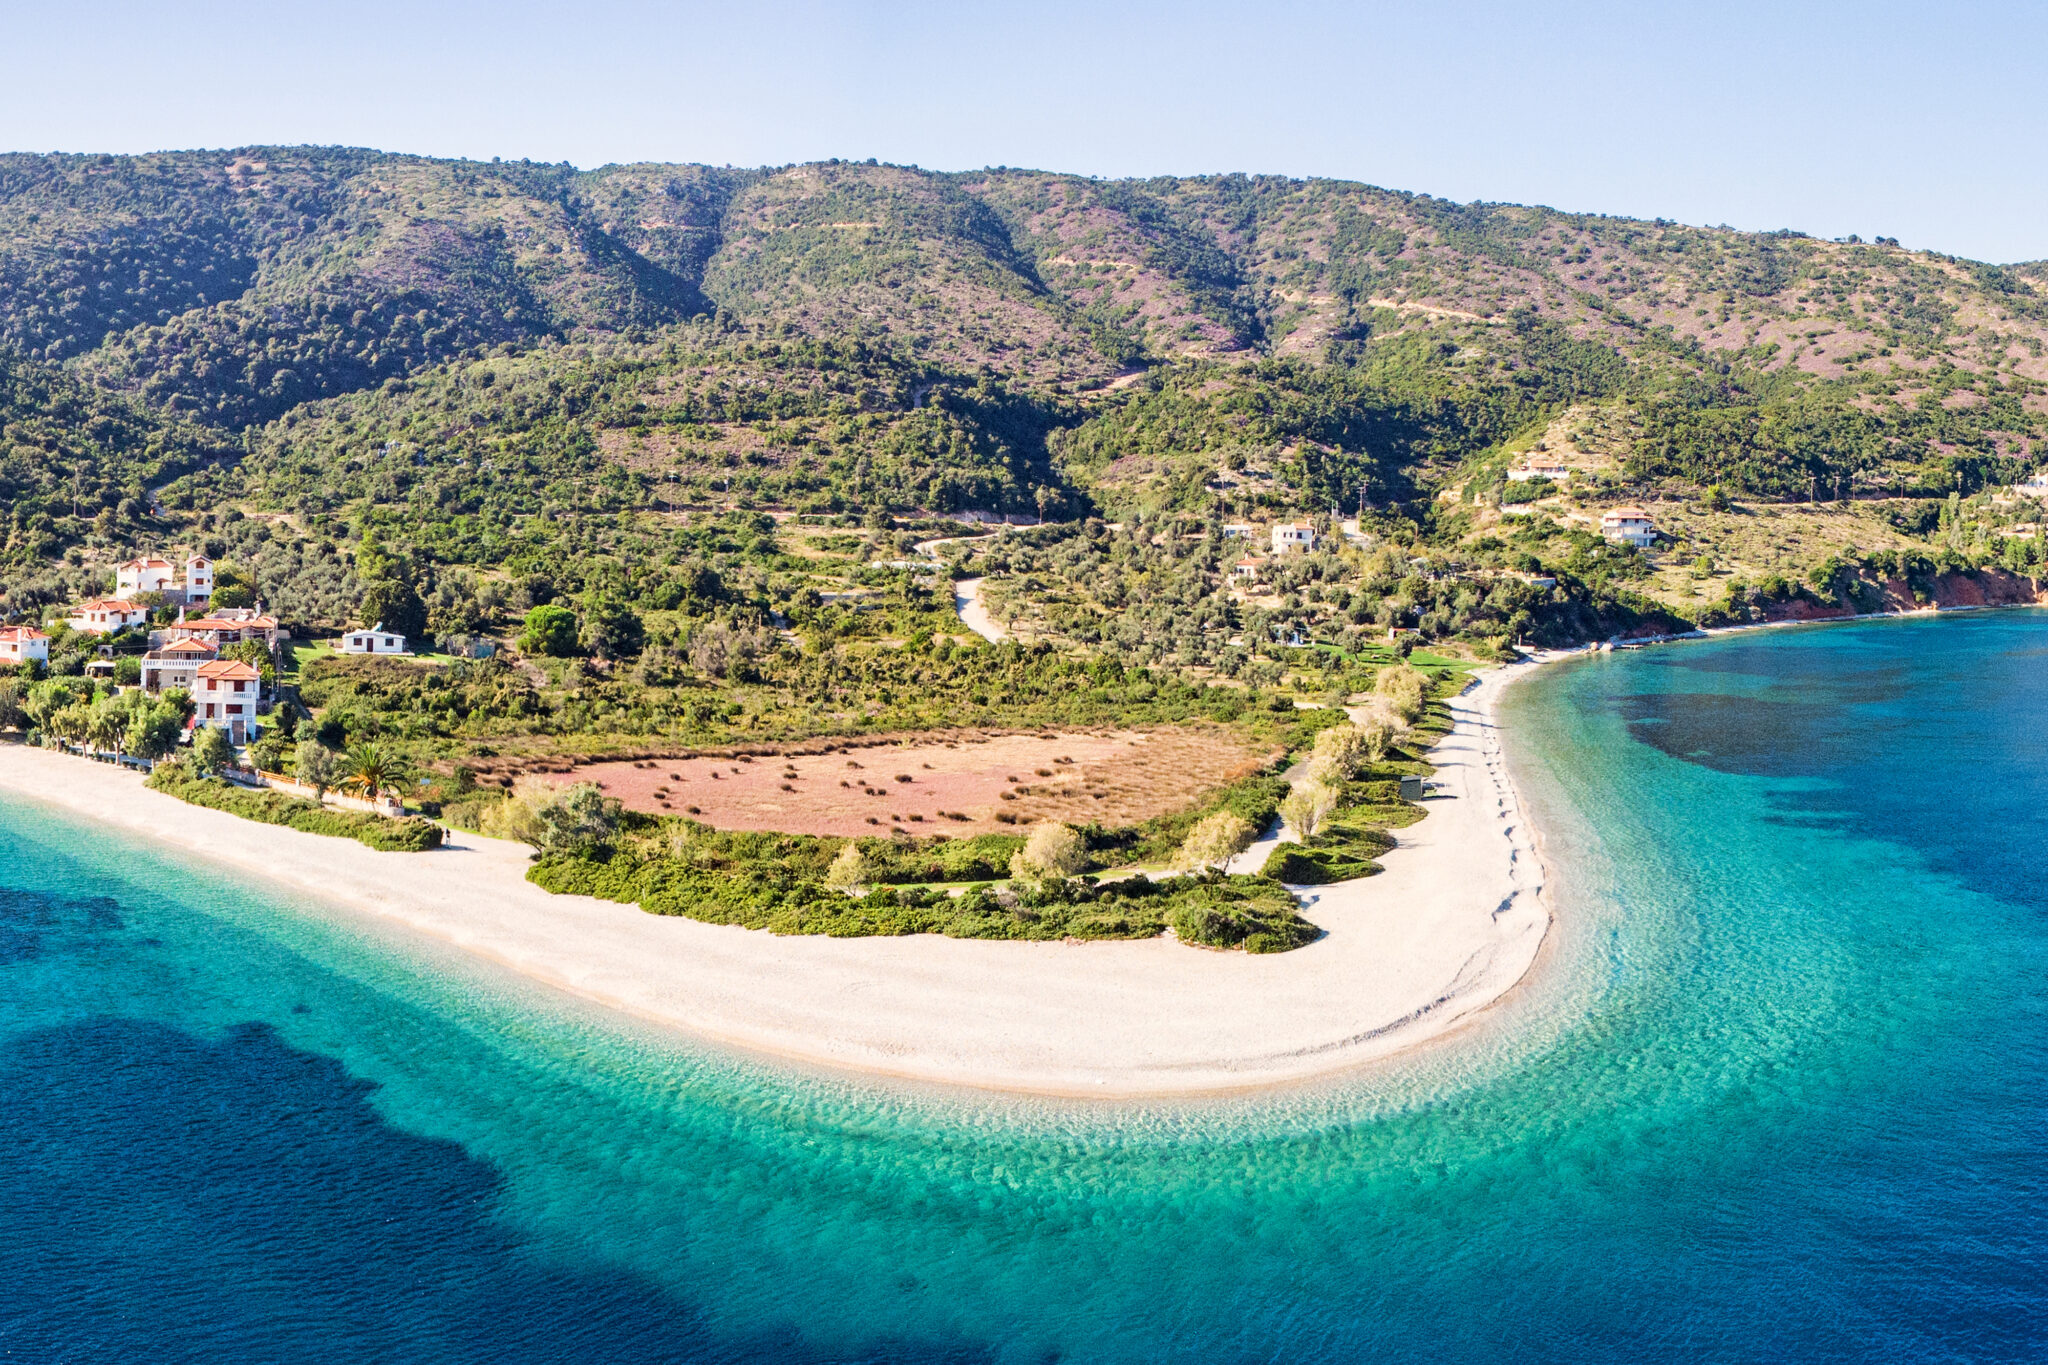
790,898
410,835
1301,866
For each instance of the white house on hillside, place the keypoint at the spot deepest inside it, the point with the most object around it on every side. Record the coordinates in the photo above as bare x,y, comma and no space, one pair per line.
19,644
1540,468
1629,526
375,640
138,576
105,615
1293,535
198,580
1238,530
151,573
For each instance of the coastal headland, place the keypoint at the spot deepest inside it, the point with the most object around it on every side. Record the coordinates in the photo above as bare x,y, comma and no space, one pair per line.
1452,925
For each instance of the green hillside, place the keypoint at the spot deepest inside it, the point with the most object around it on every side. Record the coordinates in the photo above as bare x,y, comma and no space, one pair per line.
482,364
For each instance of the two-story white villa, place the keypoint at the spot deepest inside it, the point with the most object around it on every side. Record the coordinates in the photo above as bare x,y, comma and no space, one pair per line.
151,573
1628,526
375,640
1293,535
138,576
1540,468
224,695
20,644
105,615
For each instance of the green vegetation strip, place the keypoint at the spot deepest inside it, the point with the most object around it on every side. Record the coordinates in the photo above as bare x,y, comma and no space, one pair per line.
410,835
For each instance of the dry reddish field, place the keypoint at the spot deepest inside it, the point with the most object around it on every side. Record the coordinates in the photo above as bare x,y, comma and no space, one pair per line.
937,785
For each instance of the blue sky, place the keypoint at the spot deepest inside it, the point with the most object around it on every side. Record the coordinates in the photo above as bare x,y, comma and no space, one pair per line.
1924,122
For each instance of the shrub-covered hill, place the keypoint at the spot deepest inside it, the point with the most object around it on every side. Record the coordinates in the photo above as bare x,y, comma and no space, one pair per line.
460,356
75,461
235,284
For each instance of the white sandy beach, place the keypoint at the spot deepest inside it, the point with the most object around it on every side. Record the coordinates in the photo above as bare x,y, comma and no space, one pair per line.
1450,927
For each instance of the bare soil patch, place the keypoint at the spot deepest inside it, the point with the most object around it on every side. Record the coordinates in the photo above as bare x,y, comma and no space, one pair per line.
962,784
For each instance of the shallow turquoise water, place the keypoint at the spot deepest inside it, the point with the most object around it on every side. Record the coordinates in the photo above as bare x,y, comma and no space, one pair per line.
1778,1093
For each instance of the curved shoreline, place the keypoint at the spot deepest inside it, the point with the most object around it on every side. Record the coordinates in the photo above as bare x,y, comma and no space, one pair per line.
1451,927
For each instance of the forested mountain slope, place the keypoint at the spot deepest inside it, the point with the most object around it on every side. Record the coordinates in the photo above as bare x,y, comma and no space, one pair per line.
445,351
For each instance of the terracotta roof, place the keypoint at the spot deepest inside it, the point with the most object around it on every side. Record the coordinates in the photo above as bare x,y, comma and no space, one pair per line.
25,634
151,563
108,604
197,559
218,623
188,645
229,670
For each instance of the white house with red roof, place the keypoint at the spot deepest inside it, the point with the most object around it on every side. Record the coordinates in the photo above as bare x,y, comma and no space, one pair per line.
1540,467
224,695
20,644
146,574
1628,526
105,615
175,665
232,625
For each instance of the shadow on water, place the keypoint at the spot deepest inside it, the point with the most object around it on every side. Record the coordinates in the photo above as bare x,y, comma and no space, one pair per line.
171,1197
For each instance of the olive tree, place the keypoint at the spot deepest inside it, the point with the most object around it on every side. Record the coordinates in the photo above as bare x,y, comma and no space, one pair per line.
1054,852
1214,841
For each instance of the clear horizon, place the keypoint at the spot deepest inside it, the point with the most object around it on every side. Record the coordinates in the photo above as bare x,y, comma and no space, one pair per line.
1885,119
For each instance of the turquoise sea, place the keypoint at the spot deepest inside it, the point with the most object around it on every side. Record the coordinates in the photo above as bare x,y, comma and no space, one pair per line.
1779,1092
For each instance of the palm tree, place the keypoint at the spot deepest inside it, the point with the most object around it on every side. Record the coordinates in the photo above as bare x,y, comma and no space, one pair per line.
372,772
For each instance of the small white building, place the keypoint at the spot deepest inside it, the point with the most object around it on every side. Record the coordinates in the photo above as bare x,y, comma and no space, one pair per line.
1293,535
105,615
1628,526
1540,469
20,644
138,576
1238,530
1245,570
375,640
224,695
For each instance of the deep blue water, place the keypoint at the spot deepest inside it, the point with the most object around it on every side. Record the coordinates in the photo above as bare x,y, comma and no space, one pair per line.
1781,1092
